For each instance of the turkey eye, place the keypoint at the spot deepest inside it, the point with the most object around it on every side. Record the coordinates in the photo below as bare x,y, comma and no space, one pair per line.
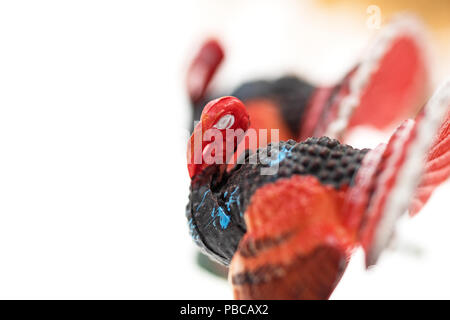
225,122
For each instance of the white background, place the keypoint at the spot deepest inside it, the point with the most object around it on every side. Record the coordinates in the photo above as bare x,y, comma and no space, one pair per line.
93,118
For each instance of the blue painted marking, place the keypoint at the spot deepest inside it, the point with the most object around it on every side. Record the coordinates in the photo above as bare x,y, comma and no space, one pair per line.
233,199
224,219
213,217
203,200
193,230
282,153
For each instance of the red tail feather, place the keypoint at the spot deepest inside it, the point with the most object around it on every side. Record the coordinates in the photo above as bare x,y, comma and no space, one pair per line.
203,68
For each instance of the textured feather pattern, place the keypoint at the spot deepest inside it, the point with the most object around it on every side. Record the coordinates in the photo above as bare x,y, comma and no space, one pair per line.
295,246
437,168
415,161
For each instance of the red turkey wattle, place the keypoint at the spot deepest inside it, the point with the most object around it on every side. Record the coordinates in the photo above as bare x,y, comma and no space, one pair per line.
229,111
290,233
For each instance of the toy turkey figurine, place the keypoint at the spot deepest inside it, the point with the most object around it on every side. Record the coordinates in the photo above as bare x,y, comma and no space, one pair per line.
289,235
287,216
